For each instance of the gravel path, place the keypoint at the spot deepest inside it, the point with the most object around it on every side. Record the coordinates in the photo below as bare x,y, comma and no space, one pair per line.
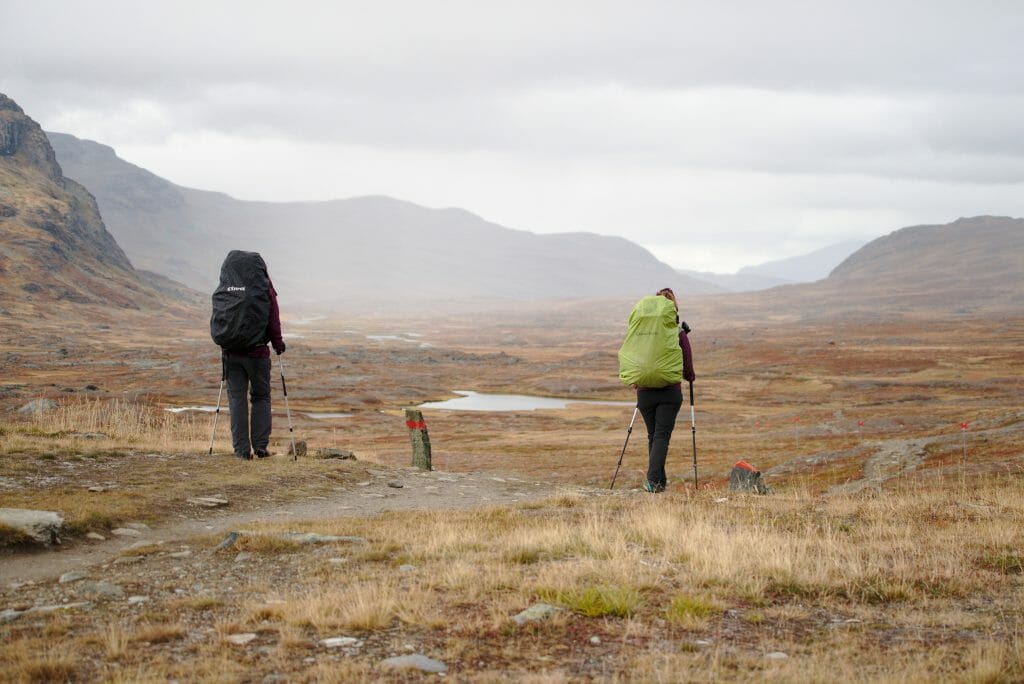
386,490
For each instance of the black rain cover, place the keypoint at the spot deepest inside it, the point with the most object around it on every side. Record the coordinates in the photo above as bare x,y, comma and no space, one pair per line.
241,303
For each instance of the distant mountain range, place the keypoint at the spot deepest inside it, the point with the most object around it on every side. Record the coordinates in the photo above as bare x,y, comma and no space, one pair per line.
55,251
805,268
353,252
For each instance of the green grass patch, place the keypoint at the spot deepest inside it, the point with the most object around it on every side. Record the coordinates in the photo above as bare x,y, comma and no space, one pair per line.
688,610
597,601
1005,563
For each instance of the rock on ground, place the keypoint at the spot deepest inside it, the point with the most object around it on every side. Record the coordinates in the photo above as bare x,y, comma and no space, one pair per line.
42,526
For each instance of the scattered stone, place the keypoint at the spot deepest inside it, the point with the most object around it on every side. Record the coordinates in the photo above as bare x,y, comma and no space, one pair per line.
97,488
313,538
395,484
180,554
721,499
228,542
41,526
243,556
240,639
136,600
137,526
776,655
363,484
300,448
73,576
535,613
208,501
274,678
9,615
415,662
125,532
595,640
331,452
703,643
339,642
96,536
406,568
34,408
127,560
58,607
101,589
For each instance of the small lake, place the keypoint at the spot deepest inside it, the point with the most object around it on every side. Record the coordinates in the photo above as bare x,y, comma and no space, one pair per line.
326,416
183,409
480,401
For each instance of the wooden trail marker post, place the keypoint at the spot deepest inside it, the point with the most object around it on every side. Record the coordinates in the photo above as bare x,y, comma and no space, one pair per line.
419,438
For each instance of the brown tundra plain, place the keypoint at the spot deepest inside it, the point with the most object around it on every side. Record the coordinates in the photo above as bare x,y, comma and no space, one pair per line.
890,548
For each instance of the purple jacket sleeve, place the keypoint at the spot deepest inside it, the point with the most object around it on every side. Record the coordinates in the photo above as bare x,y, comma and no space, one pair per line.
274,325
684,344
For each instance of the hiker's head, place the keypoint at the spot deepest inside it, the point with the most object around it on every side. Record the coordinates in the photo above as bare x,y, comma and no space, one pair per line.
668,294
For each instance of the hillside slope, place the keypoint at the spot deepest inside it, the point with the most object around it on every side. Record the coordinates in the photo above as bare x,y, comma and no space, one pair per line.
366,249
970,264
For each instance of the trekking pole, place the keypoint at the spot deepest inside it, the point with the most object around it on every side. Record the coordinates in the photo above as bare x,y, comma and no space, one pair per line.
693,430
223,373
628,433
284,388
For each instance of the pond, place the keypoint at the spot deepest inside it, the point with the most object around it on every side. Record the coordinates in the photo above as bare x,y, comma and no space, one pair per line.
325,416
480,401
182,409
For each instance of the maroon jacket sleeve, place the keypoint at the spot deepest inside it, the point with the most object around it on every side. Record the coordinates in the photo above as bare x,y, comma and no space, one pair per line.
684,344
274,325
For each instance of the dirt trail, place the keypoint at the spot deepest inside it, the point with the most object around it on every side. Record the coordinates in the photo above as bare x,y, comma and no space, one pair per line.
388,490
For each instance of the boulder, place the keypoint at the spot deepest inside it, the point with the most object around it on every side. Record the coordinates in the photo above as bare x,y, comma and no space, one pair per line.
34,408
415,662
41,526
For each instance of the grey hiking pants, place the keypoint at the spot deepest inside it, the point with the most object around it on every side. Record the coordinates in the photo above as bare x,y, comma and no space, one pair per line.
659,407
247,375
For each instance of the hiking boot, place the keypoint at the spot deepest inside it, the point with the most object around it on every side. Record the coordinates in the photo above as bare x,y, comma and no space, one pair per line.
653,488
244,457
262,453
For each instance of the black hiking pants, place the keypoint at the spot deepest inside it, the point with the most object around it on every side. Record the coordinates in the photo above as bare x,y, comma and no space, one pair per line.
659,408
248,375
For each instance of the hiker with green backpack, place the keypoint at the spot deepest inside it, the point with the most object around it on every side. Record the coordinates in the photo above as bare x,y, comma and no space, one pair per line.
654,359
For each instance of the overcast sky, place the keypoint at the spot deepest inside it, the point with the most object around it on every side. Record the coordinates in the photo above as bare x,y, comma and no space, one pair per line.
716,134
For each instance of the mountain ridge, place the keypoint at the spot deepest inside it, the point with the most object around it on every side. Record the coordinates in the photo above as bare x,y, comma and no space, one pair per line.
371,249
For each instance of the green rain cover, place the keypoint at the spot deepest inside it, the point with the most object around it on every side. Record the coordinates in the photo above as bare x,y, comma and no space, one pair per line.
650,356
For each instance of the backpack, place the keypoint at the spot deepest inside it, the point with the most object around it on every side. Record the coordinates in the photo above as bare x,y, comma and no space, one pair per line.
241,303
650,356
746,478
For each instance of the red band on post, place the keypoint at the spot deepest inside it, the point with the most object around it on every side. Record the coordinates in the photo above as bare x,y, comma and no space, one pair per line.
745,466
416,425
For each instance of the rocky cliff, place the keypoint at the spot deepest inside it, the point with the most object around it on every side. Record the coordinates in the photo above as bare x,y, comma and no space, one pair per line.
54,246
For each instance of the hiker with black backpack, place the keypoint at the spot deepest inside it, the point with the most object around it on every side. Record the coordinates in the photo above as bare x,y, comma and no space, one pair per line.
245,318
654,359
